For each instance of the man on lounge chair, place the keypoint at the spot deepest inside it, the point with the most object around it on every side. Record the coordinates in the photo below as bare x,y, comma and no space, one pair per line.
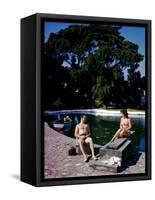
82,133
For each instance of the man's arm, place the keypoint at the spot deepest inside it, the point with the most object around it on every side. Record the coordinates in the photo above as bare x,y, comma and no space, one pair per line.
88,130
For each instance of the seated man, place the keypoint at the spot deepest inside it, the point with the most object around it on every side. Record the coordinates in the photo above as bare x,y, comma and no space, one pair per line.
82,133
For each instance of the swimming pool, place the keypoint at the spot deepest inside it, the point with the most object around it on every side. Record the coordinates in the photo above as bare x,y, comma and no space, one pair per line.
103,127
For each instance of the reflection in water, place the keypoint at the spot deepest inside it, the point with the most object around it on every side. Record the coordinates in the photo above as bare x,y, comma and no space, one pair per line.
76,119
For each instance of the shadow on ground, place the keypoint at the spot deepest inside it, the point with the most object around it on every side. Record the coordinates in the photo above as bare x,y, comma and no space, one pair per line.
97,150
131,161
16,176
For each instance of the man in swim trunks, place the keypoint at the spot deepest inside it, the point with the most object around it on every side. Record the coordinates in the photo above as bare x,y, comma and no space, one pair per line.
82,133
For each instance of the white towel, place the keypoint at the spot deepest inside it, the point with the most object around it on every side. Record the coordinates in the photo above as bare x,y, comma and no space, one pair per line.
113,160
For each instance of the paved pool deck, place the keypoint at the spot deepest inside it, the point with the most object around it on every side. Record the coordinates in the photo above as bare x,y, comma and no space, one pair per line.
57,163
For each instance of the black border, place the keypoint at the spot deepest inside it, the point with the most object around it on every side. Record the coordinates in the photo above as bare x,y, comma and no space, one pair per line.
40,128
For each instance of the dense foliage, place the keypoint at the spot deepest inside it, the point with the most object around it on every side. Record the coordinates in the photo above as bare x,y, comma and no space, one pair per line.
84,68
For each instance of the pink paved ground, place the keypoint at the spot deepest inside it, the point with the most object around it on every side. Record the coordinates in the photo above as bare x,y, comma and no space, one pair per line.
58,164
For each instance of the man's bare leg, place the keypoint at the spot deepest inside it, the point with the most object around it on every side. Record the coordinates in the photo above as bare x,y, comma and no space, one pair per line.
82,149
90,141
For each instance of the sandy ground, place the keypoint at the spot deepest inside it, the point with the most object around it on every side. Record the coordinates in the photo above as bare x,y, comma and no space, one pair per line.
58,164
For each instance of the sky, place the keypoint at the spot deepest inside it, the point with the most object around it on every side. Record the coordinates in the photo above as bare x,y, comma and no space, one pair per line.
133,34
136,35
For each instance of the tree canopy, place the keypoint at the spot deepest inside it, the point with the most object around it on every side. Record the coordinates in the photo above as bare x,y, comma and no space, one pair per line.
84,68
